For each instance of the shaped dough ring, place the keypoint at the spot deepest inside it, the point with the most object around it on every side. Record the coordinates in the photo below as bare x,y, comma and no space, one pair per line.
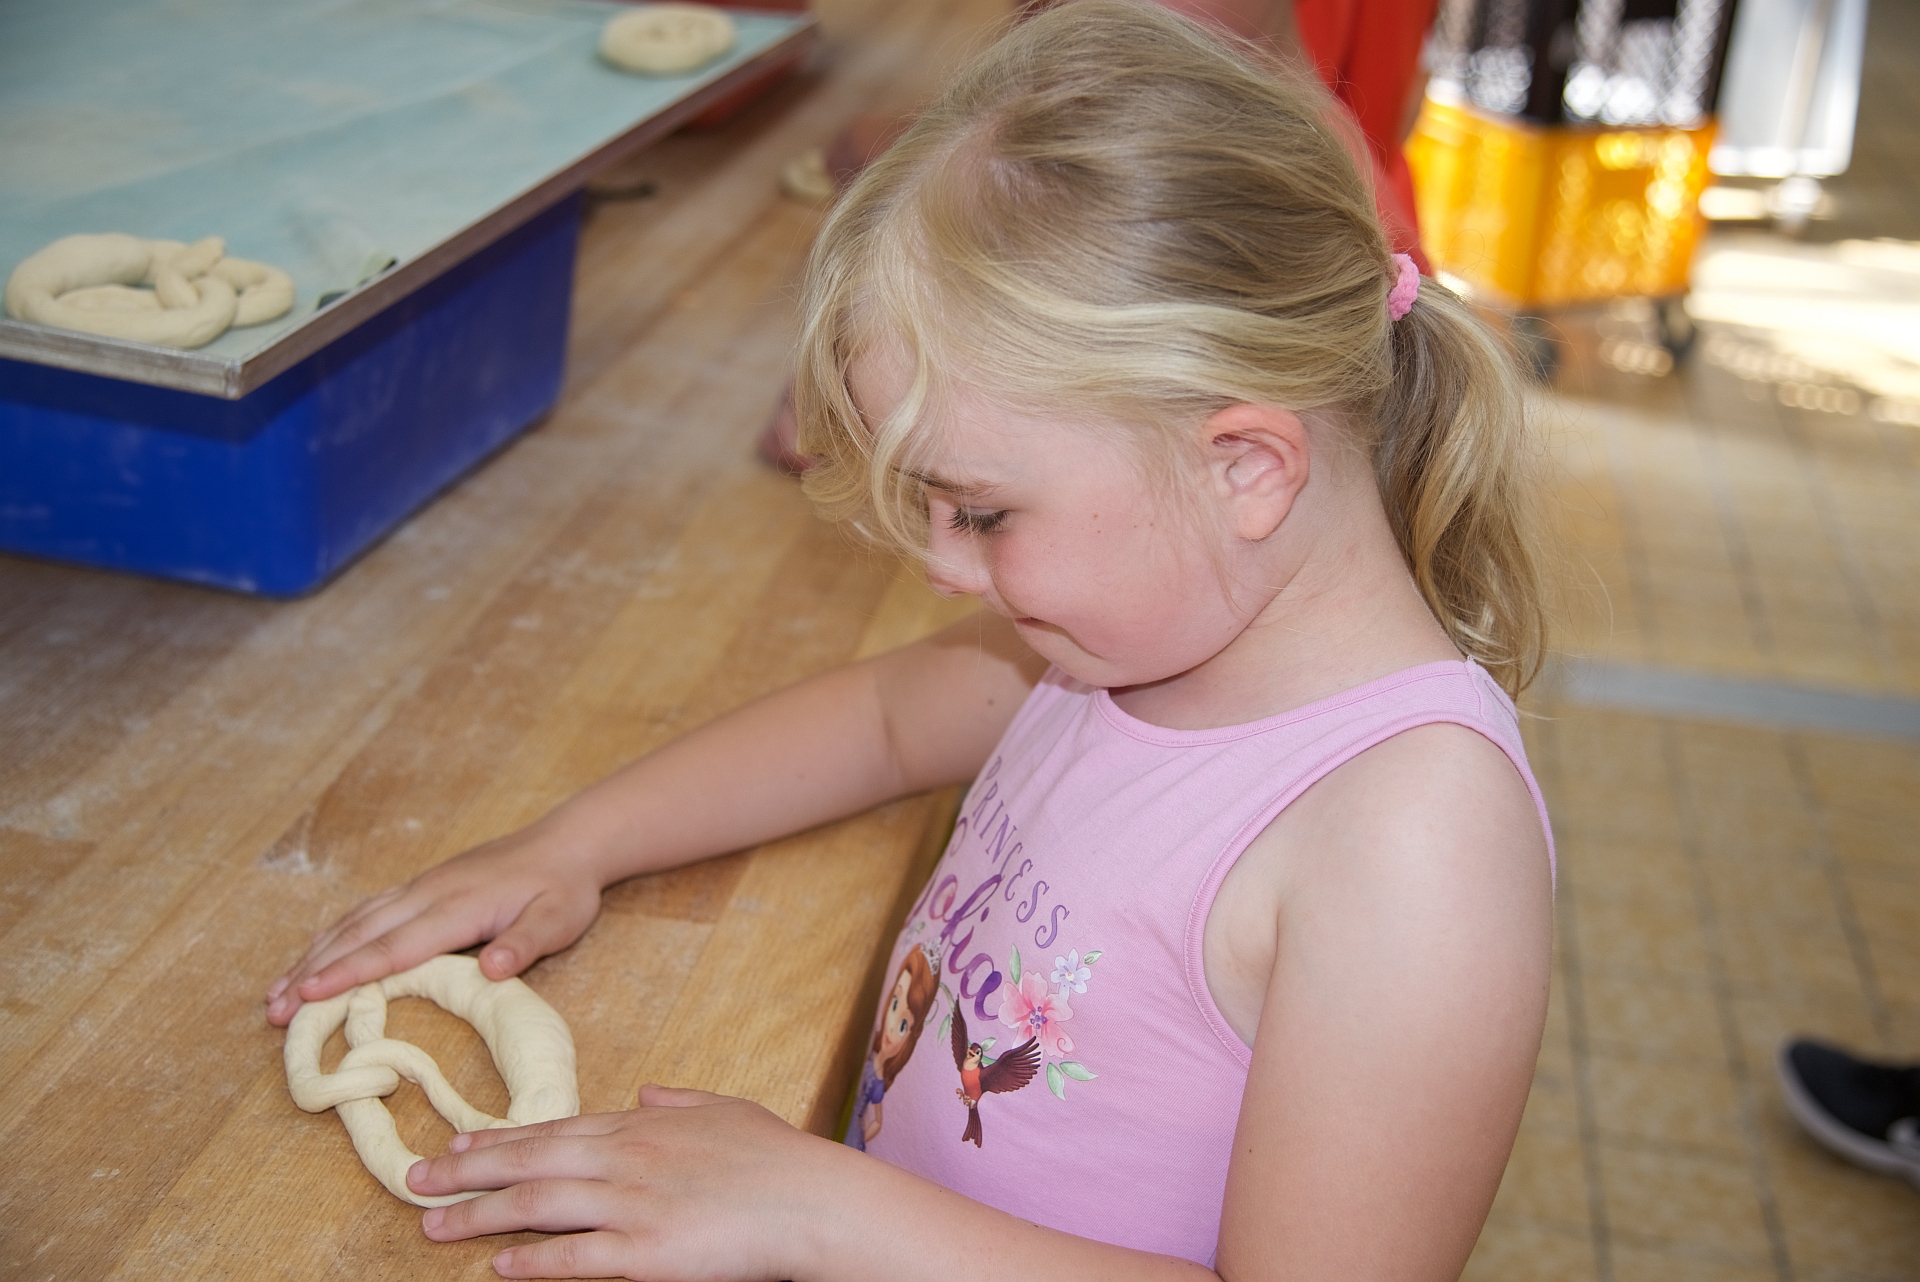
87,283
666,39
530,1044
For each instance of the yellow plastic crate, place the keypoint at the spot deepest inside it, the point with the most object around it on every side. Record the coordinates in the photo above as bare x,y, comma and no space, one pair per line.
1539,216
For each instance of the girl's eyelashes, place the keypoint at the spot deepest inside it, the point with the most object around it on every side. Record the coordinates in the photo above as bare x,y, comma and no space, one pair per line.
966,522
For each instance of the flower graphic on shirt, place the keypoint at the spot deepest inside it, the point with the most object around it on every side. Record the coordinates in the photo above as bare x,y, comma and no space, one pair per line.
1069,973
1033,1011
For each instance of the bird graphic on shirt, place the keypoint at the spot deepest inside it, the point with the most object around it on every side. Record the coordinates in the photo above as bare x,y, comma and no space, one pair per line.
1008,1073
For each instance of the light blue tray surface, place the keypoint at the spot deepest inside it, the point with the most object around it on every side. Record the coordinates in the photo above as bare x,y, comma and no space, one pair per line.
312,134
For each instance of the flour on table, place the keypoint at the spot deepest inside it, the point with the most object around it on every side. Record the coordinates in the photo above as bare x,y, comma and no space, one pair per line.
530,1043
666,39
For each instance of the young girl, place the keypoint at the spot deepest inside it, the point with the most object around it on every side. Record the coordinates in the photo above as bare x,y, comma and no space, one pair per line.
1242,939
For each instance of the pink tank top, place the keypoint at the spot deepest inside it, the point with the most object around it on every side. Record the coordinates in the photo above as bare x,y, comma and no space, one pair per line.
1047,1043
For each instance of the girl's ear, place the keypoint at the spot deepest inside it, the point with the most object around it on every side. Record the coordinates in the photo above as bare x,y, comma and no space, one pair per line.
1257,457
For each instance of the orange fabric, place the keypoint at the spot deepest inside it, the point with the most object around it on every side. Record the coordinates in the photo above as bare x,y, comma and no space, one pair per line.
1368,53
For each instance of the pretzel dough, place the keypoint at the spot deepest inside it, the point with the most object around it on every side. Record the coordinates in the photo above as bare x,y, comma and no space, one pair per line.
195,293
805,178
666,39
530,1044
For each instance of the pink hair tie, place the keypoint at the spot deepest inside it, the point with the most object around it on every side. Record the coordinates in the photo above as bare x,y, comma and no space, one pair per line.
1405,289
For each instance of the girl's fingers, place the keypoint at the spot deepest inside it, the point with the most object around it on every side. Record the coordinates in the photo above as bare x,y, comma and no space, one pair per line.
288,992
652,1096
501,1166
577,1255
323,938
356,920
546,925
543,1206
408,943
585,1124
382,956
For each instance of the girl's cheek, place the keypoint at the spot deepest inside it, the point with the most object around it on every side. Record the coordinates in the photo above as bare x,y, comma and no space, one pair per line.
1019,568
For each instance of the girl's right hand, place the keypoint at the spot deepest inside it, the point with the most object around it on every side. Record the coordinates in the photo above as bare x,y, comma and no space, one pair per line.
521,891
536,891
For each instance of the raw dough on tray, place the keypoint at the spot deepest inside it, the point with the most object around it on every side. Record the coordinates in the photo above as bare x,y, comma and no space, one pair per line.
666,39
195,293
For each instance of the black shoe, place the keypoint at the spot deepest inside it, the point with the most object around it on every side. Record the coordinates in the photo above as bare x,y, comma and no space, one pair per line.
1867,1113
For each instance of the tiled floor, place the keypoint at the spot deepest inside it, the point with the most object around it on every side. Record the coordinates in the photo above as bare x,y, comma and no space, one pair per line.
1751,514
1719,888
1717,529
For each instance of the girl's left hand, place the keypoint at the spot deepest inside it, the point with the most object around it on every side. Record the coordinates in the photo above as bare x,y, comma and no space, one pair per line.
688,1185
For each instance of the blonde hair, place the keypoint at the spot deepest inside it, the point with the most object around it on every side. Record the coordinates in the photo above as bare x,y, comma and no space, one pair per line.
1114,211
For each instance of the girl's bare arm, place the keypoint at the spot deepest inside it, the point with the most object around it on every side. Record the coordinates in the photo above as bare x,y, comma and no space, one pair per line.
1403,1009
833,745
1407,955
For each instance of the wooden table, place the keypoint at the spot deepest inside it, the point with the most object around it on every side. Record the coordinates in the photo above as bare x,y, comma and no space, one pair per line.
191,783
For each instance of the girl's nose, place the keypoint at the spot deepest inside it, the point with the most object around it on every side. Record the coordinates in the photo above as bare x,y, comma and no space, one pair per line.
955,576
942,579
954,566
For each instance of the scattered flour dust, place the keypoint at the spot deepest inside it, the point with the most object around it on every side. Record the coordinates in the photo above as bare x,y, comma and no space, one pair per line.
294,860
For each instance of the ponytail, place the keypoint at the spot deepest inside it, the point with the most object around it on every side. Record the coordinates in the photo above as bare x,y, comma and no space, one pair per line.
1458,473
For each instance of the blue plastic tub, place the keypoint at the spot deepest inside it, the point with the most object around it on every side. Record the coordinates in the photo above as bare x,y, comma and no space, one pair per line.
275,492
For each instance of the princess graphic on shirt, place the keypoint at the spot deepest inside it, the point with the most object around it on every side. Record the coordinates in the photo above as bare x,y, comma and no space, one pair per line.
908,1003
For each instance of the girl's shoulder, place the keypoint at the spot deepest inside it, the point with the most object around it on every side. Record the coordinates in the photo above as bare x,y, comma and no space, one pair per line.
1440,790
1436,799
1430,830
1421,761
